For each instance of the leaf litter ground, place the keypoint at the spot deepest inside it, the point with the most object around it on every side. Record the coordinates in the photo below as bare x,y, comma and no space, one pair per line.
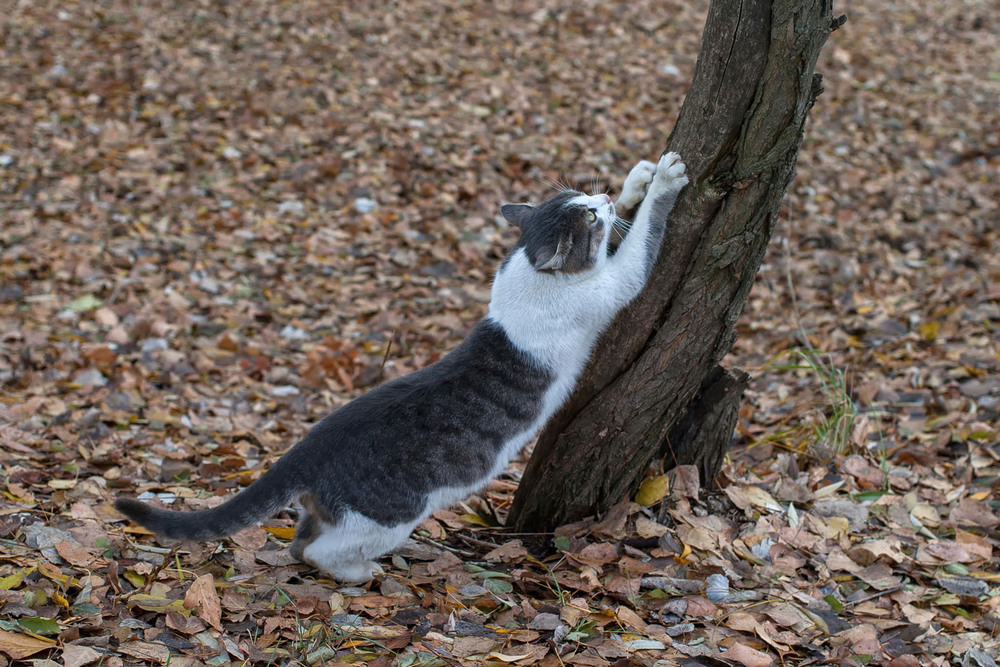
222,221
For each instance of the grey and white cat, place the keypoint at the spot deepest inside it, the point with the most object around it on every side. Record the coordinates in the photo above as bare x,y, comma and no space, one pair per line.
371,471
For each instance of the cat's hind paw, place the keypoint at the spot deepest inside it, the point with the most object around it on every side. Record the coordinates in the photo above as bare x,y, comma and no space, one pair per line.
635,186
670,174
359,572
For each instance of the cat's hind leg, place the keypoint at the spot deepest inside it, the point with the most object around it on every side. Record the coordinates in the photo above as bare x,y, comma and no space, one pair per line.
347,549
310,526
333,555
305,533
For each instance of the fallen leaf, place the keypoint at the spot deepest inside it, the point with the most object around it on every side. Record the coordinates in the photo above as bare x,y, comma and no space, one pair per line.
74,554
146,651
203,599
19,646
78,656
653,490
745,655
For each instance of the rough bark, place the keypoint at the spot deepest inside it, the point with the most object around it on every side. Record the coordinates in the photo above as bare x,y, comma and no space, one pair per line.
738,132
702,435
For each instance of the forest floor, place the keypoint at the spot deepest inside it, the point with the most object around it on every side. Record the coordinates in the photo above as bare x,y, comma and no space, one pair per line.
217,216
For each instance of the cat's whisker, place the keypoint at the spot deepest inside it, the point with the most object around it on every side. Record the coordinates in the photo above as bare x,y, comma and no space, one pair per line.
596,187
553,183
623,224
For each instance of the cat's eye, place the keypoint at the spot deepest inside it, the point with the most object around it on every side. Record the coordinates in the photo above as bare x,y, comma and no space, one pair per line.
591,216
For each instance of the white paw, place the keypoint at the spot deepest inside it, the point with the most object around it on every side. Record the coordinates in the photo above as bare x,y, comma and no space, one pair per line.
356,573
670,174
636,184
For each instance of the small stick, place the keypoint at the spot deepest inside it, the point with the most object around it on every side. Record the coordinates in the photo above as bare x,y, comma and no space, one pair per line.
873,596
385,357
159,568
476,542
441,545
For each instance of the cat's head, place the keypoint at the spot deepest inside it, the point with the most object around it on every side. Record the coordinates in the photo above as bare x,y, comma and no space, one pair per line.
567,233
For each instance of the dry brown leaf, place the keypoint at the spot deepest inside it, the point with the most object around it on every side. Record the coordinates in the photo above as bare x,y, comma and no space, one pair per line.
745,655
252,538
879,576
506,553
630,619
971,512
647,528
74,554
19,646
146,651
463,647
861,639
78,656
203,599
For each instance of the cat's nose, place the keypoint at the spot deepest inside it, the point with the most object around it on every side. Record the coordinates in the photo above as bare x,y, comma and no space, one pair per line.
605,199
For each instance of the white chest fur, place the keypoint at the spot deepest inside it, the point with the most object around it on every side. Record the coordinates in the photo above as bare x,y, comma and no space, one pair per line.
556,318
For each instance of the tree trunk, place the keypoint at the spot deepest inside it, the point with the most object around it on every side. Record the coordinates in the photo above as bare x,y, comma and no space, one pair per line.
738,132
702,435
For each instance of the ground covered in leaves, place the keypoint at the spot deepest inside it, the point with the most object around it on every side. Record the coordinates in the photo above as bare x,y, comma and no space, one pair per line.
222,220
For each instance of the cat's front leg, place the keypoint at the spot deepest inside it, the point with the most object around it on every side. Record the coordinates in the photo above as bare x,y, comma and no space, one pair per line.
634,189
638,252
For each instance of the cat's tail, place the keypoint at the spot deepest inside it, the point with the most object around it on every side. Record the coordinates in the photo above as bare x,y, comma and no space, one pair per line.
261,499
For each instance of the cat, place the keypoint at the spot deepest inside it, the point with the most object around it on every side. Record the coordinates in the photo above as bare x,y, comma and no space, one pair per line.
371,471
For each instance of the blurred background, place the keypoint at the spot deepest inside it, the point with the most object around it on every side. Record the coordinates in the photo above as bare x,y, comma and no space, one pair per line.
216,216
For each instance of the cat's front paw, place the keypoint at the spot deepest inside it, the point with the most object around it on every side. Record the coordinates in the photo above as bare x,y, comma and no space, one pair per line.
635,186
670,174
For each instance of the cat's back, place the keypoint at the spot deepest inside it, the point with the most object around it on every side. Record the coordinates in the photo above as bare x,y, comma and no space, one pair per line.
485,390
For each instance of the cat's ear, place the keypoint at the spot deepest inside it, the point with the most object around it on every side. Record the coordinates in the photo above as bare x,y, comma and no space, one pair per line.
553,259
516,214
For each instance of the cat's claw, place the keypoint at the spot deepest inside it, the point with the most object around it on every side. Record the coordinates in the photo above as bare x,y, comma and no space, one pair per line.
670,174
635,186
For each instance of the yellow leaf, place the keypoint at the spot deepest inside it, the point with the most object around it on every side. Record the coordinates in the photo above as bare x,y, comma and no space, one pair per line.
281,532
55,574
929,330
164,418
839,527
762,499
135,578
474,519
653,490
12,581
60,599
157,604
982,495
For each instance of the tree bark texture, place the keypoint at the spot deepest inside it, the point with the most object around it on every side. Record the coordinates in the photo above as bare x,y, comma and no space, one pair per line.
703,433
738,133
